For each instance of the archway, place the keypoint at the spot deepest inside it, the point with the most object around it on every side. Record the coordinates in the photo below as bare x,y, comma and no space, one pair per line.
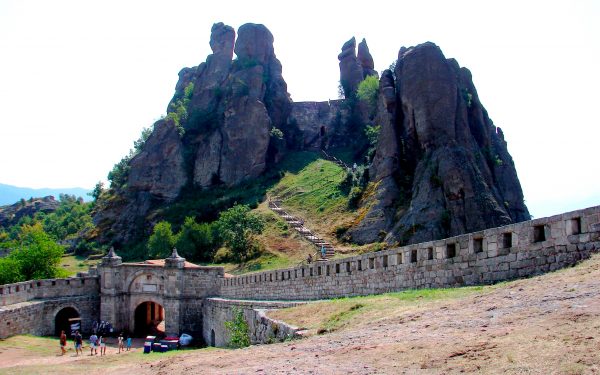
212,337
61,321
149,319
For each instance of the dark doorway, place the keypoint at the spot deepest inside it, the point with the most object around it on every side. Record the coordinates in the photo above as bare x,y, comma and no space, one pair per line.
212,337
149,319
322,131
61,322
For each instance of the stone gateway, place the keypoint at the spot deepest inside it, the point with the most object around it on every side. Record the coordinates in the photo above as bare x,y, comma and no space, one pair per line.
188,298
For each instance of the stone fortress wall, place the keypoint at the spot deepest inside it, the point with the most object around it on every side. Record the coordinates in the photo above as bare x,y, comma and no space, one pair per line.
199,300
489,256
31,306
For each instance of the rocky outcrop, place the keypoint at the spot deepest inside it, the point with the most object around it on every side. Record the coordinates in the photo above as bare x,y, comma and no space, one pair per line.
365,59
217,131
11,214
320,125
441,166
355,68
159,168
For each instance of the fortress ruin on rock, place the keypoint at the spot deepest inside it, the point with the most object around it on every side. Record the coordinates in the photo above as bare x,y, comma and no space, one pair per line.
198,300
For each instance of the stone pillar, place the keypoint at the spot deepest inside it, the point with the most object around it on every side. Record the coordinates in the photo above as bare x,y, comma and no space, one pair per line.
110,287
174,266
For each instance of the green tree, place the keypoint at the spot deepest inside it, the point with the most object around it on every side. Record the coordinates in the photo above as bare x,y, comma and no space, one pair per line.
239,332
10,271
37,254
237,226
195,241
368,90
162,240
98,190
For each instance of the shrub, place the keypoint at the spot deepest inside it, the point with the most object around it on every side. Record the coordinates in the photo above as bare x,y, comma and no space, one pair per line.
37,254
238,330
162,240
195,241
236,227
10,271
368,90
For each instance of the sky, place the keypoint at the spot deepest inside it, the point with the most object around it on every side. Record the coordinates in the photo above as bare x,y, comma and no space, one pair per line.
79,80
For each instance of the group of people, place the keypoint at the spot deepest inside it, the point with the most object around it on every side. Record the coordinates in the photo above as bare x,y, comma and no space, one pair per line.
96,342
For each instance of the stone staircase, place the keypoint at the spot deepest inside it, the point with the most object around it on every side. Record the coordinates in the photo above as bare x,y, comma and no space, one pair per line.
335,160
298,225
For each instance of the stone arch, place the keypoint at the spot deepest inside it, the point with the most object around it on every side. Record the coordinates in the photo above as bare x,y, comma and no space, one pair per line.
212,337
61,316
129,282
149,318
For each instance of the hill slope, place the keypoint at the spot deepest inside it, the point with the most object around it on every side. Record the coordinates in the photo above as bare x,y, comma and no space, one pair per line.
10,194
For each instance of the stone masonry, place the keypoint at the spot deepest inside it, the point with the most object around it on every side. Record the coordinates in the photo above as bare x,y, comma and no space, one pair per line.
198,300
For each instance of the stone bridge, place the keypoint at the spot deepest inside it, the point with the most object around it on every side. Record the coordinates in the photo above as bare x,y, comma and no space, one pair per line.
176,296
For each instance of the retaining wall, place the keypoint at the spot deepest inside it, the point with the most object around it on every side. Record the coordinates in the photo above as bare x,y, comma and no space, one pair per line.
492,255
216,311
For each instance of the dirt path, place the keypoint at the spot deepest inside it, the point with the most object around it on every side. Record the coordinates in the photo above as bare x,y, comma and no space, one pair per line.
544,325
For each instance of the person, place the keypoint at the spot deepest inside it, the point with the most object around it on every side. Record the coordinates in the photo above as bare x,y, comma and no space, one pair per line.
102,343
93,344
78,343
63,343
128,343
309,259
120,340
323,251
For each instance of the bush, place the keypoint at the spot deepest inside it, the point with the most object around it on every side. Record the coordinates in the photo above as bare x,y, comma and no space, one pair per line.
37,254
195,241
236,227
10,271
368,90
238,330
162,240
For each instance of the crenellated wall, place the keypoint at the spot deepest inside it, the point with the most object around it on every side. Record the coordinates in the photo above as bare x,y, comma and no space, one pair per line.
489,256
31,307
198,300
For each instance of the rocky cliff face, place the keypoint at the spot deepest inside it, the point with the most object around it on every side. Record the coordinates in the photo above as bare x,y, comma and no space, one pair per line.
217,131
441,166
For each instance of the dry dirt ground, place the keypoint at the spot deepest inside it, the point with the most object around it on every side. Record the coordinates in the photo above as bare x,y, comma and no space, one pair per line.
543,325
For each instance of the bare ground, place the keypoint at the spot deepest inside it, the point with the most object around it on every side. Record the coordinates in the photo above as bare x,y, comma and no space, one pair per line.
543,325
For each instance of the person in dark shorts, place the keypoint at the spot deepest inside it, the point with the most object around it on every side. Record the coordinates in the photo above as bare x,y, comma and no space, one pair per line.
78,343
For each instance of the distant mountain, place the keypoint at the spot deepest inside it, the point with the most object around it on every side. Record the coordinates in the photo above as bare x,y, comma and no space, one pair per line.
10,194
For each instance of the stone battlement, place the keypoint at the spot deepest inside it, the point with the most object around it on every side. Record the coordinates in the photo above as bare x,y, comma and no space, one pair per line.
183,294
488,256
49,288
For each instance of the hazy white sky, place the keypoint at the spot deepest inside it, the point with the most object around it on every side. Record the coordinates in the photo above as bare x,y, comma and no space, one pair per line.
80,79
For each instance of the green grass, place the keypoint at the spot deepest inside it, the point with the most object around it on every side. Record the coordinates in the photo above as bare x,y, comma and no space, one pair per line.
334,314
72,264
36,345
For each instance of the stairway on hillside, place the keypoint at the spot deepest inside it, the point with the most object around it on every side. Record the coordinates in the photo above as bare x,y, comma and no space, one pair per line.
335,160
298,225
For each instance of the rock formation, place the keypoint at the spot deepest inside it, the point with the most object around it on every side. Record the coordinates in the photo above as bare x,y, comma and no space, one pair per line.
441,166
11,214
217,131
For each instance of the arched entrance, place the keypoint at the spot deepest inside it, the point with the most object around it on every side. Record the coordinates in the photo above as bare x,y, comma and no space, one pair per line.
61,321
212,337
149,319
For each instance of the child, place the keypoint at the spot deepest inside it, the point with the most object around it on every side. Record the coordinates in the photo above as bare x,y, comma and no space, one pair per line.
102,342
93,344
128,342
63,343
121,344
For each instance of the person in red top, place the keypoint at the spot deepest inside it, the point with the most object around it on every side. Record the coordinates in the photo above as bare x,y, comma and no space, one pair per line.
63,342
